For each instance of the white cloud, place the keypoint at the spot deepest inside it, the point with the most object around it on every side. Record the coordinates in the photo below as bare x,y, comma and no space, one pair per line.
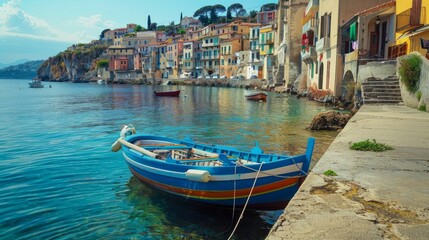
14,22
94,21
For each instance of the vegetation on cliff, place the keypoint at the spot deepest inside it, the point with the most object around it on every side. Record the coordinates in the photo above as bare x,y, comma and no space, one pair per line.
73,64
27,70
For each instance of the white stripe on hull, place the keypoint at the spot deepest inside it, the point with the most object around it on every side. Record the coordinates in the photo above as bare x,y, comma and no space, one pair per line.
229,177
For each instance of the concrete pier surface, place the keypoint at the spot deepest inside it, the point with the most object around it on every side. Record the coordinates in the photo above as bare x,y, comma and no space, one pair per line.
375,195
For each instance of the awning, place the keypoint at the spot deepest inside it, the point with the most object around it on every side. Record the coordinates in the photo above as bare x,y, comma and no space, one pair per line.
414,31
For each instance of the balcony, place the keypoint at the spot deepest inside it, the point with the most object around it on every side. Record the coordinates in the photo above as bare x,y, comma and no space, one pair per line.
351,57
310,11
269,41
409,19
211,57
310,25
309,52
322,44
312,7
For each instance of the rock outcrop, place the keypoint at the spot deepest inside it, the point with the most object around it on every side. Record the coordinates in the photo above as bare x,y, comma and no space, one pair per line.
77,64
331,120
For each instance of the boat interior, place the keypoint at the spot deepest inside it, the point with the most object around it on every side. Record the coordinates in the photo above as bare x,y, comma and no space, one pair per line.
186,155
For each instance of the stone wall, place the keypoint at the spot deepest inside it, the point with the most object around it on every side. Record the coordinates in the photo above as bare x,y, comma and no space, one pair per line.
411,99
379,69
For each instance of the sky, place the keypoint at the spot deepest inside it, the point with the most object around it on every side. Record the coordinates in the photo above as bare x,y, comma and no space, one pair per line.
39,29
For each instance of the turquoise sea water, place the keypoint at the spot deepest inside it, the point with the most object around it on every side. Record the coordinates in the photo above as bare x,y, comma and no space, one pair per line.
59,179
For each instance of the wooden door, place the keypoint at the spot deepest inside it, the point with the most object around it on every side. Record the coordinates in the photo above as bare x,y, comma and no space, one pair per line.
373,45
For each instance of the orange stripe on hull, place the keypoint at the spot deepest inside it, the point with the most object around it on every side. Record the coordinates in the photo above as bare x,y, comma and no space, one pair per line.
221,194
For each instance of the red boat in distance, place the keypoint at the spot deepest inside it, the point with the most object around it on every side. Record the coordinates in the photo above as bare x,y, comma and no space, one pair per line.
257,97
167,94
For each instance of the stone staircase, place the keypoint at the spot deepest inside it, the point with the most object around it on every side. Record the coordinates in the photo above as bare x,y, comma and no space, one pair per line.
376,90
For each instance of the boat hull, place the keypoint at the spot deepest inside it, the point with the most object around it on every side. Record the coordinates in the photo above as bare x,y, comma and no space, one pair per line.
229,186
257,97
167,94
36,84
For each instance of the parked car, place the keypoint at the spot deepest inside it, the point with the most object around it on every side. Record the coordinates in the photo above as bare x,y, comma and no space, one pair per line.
215,76
185,75
253,77
223,77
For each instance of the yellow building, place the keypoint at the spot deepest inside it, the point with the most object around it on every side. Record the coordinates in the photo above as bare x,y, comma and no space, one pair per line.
412,25
266,51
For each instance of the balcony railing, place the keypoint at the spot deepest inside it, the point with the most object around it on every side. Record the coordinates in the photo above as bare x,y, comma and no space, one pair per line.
309,52
310,25
352,56
322,44
410,18
269,41
211,57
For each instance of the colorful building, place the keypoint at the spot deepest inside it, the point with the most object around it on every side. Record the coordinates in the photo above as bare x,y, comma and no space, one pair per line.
266,17
412,26
121,58
308,40
228,56
288,41
364,46
333,13
266,50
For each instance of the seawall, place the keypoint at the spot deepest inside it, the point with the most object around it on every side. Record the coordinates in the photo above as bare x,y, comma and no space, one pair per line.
375,195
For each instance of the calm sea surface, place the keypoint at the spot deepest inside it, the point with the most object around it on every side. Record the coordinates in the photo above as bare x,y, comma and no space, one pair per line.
59,179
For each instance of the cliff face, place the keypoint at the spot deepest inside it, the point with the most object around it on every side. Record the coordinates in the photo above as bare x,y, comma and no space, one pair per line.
77,64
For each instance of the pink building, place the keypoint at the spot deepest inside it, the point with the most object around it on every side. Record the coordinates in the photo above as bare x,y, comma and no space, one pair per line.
266,17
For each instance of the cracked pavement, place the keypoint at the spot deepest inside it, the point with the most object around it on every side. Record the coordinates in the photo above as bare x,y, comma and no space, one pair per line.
376,195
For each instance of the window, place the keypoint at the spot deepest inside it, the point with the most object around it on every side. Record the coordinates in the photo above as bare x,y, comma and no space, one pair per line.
329,25
322,27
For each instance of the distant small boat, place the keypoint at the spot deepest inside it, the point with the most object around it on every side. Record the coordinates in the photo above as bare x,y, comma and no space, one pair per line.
36,84
214,174
167,94
257,97
101,81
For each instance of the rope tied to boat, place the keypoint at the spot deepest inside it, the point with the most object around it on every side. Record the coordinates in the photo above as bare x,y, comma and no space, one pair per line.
247,201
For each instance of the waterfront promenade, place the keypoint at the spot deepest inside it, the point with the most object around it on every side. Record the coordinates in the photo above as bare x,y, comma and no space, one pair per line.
382,195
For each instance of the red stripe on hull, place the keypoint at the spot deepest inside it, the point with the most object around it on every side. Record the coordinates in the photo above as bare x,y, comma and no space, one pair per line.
221,194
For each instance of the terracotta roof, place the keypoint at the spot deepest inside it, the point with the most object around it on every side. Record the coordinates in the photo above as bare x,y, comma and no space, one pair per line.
376,8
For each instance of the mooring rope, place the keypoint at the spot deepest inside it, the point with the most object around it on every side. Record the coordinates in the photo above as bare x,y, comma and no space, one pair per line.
276,175
247,201
233,203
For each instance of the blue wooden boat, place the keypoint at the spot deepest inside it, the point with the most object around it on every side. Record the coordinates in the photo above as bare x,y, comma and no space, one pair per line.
213,174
